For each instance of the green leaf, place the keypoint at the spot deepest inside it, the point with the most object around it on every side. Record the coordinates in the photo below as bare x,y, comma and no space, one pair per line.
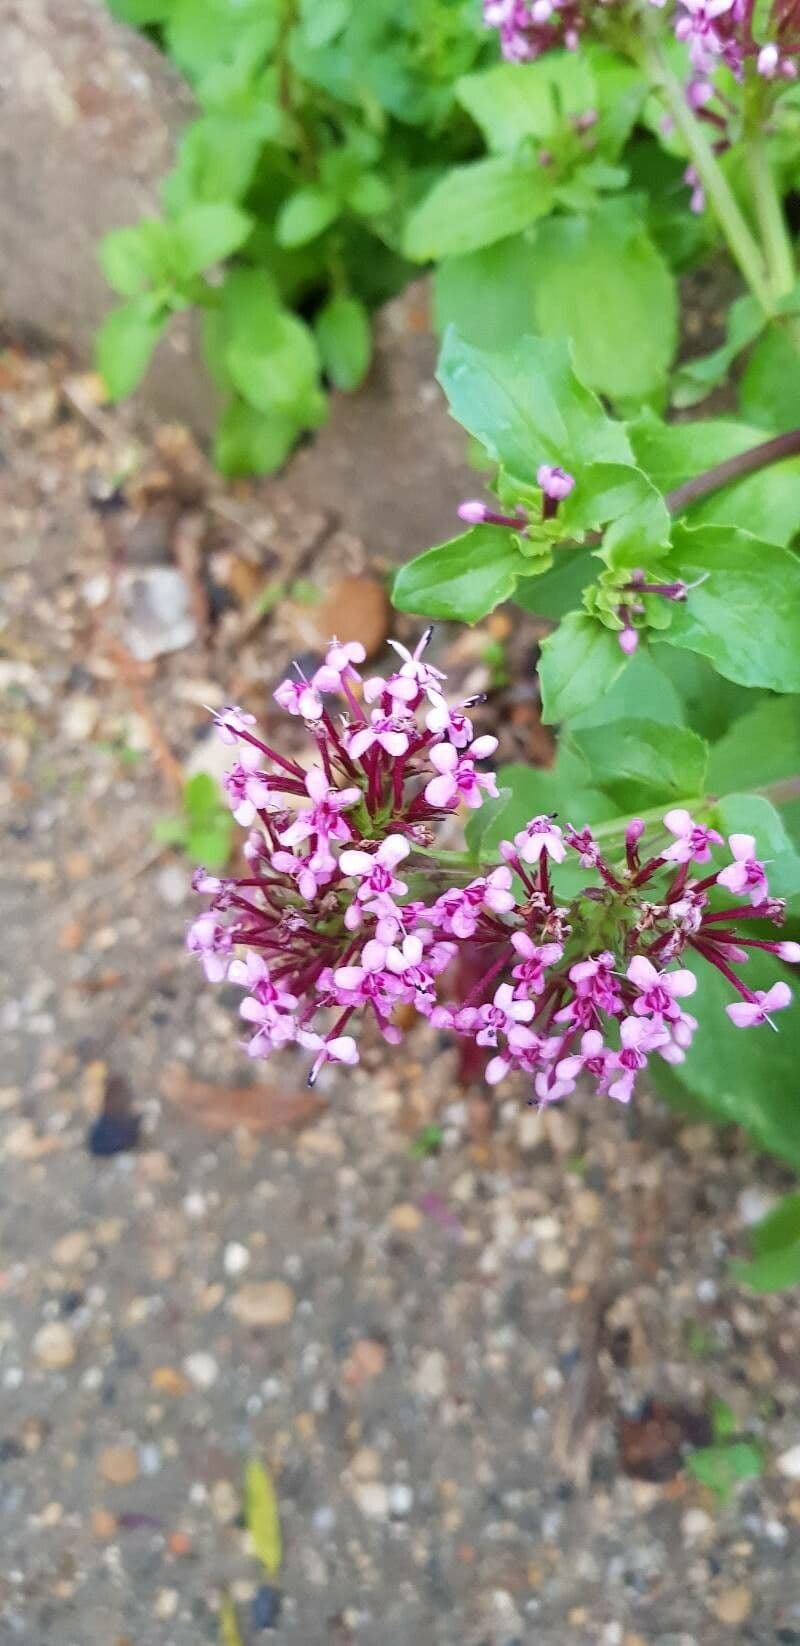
369,195
261,1516
528,407
511,101
696,378
746,616
641,763
465,294
558,590
271,355
306,214
140,13
253,442
228,1624
599,280
775,1272
673,453
579,662
711,704
125,343
208,233
745,1076
780,1227
463,579
137,257
723,1467
217,159
474,205
644,691
344,337
760,747
769,392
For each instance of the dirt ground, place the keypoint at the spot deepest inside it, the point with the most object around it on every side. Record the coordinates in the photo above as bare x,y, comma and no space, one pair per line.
474,1359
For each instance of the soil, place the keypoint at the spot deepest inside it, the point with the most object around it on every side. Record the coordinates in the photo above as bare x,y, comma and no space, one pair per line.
474,1359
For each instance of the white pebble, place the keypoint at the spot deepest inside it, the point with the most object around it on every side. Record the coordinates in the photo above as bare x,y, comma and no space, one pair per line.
236,1258
401,1500
789,1463
201,1369
753,1205
372,1498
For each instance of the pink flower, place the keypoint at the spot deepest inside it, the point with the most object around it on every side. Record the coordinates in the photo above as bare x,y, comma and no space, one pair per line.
458,779
594,1057
309,873
340,1049
638,1038
503,1015
339,666
425,676
450,723
375,871
747,1014
745,876
384,729
458,911
659,991
299,697
252,974
540,835
231,721
212,943
248,792
535,960
694,841
324,817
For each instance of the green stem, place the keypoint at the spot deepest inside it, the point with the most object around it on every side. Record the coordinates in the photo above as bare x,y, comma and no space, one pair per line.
778,250
721,198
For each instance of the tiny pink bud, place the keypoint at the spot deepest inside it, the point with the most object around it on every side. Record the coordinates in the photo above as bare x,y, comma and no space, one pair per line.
555,482
473,512
790,952
634,831
628,639
768,60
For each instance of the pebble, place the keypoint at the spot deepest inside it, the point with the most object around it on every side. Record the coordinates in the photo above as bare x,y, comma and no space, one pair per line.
236,1258
167,1380
201,1369
104,1525
430,1378
789,1463
365,1464
356,608
753,1204
266,1607
404,1218
401,1500
264,1303
54,1345
224,1502
366,1361
113,1134
372,1498
119,1465
696,1526
166,1604
70,1249
733,1605
173,884
157,611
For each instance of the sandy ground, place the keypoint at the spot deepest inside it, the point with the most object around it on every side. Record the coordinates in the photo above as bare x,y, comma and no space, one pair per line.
474,1373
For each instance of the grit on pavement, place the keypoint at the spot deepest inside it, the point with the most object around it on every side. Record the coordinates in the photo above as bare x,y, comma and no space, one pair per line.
473,1351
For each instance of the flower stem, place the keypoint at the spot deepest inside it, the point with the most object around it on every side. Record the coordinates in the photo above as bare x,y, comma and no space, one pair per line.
722,200
772,223
733,468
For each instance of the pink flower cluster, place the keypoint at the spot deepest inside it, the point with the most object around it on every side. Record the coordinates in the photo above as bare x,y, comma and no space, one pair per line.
345,910
530,27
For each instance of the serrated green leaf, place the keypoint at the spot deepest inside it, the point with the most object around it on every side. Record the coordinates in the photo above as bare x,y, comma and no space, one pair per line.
262,1516
762,746
527,407
253,442
463,579
512,101
599,280
475,205
136,258
775,1272
271,354
579,662
344,337
641,763
745,616
125,343
780,1227
769,392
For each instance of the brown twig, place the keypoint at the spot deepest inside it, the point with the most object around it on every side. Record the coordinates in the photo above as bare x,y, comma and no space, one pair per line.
733,468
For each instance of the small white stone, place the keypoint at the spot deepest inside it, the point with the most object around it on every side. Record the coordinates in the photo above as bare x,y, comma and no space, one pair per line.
789,1463
753,1204
696,1526
236,1258
401,1500
201,1369
194,1205
372,1498
430,1377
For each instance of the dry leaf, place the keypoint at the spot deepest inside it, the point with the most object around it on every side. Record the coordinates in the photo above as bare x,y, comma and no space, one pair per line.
261,1516
224,1108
